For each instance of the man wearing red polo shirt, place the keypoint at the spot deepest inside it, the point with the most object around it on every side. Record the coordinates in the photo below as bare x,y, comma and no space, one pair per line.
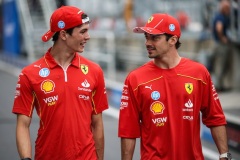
162,100
68,93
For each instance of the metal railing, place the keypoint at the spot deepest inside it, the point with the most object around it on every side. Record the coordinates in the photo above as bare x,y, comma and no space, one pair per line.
107,56
48,8
32,34
27,27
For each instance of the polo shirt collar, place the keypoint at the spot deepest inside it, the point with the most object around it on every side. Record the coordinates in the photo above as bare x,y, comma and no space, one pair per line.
51,63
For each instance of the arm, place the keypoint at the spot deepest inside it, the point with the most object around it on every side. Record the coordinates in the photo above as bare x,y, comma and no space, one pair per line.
23,136
219,29
220,138
98,134
127,148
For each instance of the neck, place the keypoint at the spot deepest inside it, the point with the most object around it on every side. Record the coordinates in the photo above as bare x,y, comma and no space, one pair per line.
168,61
61,56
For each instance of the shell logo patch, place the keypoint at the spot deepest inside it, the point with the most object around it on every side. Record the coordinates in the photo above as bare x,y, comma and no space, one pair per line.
157,108
150,19
84,69
189,87
47,86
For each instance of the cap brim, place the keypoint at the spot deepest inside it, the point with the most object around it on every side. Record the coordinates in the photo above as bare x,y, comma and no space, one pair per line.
146,29
48,35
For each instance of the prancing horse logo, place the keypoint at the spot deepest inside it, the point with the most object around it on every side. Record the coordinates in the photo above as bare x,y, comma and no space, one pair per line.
189,87
84,69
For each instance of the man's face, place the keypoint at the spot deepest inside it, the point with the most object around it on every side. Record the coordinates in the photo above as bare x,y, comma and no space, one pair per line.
156,45
79,38
225,5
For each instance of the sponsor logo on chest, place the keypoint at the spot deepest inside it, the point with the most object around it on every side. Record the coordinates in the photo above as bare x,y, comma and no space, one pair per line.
85,86
188,106
50,101
159,122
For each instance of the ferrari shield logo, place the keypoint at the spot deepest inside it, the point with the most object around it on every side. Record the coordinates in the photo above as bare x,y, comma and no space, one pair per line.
150,19
84,69
189,87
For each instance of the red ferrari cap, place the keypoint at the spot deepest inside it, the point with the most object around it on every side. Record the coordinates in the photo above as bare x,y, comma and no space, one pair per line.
64,18
160,24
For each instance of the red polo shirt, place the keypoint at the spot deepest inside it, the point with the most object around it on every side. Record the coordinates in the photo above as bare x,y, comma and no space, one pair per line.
163,106
65,101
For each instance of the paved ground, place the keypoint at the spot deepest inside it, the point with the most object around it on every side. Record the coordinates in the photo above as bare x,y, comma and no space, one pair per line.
112,150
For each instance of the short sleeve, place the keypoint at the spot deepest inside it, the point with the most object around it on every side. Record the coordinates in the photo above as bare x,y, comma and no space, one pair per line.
129,121
24,97
212,113
100,102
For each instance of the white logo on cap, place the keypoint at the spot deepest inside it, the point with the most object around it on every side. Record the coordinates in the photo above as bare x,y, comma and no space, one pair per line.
61,24
85,20
172,27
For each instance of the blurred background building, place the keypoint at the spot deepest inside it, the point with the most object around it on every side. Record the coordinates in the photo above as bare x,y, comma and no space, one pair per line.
112,44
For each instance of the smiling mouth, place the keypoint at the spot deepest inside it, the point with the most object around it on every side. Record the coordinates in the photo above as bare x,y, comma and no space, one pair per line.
149,49
83,44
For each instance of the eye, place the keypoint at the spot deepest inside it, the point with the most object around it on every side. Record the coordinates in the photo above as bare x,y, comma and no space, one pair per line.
83,31
152,37
155,37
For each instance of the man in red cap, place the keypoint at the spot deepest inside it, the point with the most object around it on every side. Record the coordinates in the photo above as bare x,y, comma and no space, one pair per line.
162,100
68,93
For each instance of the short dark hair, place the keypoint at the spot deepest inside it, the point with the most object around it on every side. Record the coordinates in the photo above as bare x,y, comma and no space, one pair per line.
69,31
168,36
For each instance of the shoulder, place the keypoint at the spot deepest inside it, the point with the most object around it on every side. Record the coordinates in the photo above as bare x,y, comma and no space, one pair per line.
193,68
193,64
34,66
142,70
142,74
219,17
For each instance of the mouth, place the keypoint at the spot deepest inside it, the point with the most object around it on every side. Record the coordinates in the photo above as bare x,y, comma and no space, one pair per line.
83,44
149,49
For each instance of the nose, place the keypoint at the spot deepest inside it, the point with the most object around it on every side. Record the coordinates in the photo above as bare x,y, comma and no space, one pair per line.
147,42
87,36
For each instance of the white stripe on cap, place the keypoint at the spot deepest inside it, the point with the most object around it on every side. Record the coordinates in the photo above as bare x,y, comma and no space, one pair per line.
158,23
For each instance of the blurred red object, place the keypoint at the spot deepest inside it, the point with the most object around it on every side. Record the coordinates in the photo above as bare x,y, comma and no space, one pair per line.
183,19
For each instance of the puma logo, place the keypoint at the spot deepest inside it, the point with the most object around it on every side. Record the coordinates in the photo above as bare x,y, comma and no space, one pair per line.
149,87
38,66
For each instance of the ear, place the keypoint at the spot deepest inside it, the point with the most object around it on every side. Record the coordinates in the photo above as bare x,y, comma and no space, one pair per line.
63,35
173,40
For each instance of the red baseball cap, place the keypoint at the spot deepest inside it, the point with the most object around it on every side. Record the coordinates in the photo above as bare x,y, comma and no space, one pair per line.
64,18
160,24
